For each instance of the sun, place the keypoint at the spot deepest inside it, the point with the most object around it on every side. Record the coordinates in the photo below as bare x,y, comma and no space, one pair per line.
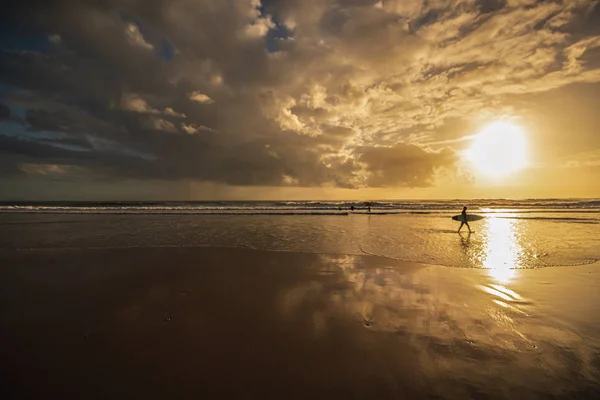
499,150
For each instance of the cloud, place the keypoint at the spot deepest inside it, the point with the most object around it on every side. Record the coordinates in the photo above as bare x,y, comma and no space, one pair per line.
194,129
200,98
402,165
135,38
49,169
583,160
355,94
4,112
259,25
55,39
133,102
160,124
42,120
173,113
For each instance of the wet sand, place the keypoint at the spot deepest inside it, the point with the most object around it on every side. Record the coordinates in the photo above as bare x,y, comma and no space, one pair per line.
232,323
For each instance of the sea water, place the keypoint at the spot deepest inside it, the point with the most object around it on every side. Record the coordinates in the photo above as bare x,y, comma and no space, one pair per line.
513,235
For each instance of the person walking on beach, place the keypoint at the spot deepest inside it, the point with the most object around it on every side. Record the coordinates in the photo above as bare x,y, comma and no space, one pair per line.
464,219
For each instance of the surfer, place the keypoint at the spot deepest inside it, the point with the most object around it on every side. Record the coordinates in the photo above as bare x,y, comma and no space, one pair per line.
464,219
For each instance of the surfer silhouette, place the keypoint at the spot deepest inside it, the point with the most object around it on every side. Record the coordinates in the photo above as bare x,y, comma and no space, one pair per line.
464,219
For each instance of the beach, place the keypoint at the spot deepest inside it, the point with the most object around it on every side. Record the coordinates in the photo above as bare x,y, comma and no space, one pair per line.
89,313
265,199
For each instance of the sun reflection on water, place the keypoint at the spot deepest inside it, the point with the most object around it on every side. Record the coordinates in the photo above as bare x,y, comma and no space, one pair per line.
501,251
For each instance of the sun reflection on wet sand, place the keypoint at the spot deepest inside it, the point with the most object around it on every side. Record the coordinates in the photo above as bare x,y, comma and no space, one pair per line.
498,249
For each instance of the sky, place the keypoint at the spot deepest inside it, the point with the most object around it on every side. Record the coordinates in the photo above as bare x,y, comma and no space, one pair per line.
295,99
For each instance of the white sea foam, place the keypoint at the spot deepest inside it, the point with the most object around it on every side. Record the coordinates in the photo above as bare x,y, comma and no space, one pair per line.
306,207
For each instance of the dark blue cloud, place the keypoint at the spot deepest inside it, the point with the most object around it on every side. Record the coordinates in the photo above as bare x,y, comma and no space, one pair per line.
15,38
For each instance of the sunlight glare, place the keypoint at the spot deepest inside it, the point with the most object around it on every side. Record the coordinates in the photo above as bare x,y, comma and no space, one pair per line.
502,251
499,150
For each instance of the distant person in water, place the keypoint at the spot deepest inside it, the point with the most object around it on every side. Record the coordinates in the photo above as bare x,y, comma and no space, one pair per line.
352,208
464,219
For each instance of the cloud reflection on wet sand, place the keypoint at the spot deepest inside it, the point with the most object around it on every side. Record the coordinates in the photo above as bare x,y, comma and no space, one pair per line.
469,331
159,323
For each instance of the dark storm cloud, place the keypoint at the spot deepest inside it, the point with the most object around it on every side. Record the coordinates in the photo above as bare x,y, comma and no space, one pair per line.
70,152
4,112
402,165
355,95
9,164
59,121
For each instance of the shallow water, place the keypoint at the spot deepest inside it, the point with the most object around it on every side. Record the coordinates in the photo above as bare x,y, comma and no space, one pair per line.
503,241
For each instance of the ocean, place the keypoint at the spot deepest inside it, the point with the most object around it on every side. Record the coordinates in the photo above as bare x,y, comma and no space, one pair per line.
515,234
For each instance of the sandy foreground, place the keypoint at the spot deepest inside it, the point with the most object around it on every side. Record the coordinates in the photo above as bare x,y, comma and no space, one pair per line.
232,323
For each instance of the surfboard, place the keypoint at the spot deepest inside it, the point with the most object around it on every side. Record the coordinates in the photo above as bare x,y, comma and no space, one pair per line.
470,217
